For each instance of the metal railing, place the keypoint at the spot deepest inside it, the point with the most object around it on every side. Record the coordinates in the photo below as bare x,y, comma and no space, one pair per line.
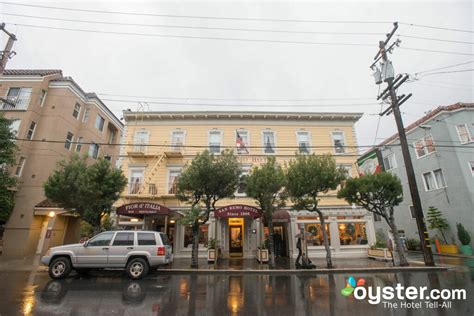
15,104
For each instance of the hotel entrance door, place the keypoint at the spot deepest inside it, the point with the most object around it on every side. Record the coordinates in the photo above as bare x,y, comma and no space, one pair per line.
236,237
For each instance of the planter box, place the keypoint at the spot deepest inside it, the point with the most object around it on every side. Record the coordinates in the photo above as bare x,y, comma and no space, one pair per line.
452,249
262,255
380,254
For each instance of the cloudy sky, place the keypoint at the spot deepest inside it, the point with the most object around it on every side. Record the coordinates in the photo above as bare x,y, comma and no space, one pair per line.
246,56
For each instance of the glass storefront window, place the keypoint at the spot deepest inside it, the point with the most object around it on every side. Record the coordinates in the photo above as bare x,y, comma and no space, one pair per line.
315,237
352,234
188,236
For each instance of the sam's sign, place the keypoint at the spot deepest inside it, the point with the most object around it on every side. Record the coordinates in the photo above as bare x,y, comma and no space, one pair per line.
143,209
238,211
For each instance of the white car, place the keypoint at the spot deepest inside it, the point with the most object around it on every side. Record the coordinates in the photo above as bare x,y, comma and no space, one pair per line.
135,251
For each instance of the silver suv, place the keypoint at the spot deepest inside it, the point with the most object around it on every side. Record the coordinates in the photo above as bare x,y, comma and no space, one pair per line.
135,251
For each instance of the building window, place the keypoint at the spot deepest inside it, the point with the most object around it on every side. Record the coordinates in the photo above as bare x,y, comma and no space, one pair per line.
99,122
352,234
19,99
140,140
69,139
188,236
85,116
471,167
94,150
242,142
215,139
136,180
79,144
377,217
31,130
315,234
303,142
389,162
347,168
113,134
19,167
268,142
412,211
177,140
424,146
434,180
42,97
77,110
173,178
338,142
464,133
242,186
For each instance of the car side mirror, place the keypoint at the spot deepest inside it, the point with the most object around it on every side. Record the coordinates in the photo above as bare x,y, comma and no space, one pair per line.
86,243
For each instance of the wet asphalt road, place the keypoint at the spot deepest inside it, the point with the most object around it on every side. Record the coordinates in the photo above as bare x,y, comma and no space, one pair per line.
111,293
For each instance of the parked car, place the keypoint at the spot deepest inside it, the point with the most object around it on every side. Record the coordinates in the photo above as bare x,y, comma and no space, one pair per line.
135,251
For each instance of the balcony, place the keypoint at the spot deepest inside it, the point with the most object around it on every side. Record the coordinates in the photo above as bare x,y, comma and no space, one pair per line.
175,151
15,104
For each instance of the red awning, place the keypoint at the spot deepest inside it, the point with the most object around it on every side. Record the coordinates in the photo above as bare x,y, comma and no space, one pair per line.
238,210
143,208
281,216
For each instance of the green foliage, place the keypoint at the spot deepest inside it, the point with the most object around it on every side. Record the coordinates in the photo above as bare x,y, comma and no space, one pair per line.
8,150
213,243
377,193
208,179
86,229
380,239
435,220
265,184
413,244
463,235
88,190
193,216
310,175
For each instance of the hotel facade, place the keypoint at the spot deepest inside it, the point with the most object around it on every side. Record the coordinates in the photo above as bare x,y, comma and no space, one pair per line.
158,145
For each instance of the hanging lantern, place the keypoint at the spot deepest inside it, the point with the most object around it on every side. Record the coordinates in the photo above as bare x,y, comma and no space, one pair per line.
387,71
377,76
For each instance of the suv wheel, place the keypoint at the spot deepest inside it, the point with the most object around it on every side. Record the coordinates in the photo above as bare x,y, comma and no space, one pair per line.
59,268
137,268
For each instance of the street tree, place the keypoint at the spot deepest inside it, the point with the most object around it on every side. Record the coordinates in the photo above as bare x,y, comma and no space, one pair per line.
309,176
8,150
377,193
436,220
206,180
265,184
89,191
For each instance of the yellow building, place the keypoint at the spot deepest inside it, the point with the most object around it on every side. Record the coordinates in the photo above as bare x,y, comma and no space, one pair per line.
159,144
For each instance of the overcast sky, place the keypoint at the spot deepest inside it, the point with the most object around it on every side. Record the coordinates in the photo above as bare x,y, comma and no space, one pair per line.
176,67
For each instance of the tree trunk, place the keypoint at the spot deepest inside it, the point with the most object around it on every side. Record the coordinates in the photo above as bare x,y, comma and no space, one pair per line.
325,239
398,242
271,262
195,248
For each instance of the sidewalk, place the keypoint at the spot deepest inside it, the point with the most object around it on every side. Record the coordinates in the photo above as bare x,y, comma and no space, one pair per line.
282,265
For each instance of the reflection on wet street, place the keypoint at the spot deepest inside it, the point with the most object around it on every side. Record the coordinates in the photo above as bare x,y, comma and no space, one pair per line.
111,293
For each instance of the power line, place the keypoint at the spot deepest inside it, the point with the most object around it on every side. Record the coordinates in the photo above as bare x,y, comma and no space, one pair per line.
445,67
188,27
435,39
190,37
195,16
228,39
437,27
447,72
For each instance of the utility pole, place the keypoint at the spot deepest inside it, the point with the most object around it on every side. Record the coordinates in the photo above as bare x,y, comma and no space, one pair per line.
7,53
395,103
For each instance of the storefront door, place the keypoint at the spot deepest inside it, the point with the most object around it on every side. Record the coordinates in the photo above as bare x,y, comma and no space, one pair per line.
235,241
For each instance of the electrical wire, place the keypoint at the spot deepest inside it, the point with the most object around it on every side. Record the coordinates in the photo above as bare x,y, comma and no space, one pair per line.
436,51
437,27
435,39
193,16
445,67
190,27
447,72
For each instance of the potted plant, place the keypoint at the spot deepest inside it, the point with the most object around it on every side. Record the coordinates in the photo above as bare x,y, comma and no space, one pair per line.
437,221
212,250
465,240
262,253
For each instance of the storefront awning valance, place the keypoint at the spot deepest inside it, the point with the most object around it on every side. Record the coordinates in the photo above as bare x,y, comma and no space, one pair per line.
281,216
238,210
143,209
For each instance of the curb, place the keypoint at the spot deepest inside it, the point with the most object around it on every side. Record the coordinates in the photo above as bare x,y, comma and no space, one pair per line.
446,255
309,271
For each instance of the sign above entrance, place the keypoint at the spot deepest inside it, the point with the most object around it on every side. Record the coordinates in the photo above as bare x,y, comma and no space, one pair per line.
143,209
238,210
